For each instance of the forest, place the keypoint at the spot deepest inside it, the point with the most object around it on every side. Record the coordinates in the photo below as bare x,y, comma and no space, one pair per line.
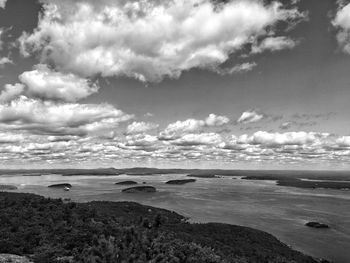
53,230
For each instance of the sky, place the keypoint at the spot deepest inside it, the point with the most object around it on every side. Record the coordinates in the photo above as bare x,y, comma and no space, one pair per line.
234,84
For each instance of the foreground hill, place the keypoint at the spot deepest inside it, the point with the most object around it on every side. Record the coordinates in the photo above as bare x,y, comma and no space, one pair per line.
49,230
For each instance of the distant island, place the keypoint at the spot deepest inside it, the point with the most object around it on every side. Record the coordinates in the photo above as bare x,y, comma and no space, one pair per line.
140,189
181,181
202,175
303,183
51,230
63,185
316,225
126,182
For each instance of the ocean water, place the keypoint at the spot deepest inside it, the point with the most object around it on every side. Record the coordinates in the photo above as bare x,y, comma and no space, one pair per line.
281,211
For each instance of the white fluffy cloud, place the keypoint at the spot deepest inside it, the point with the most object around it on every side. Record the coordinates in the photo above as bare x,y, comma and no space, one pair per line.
275,139
5,60
46,84
149,40
51,117
250,116
178,128
3,3
10,138
198,139
274,44
342,22
140,127
11,92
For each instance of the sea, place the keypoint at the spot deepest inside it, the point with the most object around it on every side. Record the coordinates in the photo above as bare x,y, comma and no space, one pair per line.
279,210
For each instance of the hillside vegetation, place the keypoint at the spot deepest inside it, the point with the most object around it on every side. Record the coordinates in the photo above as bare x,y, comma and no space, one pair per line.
50,230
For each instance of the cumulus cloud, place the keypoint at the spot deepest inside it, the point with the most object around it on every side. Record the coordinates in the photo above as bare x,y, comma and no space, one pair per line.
342,22
274,44
52,117
216,120
149,40
47,84
177,128
140,127
5,60
3,3
275,139
198,139
10,138
286,125
249,117
11,92
139,142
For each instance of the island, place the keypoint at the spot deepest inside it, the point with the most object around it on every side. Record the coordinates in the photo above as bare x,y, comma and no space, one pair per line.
181,181
52,230
316,225
302,183
126,182
63,185
202,175
7,187
140,189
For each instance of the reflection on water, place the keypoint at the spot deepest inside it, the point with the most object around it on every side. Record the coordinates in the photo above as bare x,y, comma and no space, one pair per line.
281,211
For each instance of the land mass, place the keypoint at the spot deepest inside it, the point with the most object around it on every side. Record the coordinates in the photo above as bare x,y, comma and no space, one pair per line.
140,189
63,185
302,183
126,182
316,225
47,230
181,181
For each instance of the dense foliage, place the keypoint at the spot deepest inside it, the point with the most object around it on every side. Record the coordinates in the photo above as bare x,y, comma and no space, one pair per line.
50,230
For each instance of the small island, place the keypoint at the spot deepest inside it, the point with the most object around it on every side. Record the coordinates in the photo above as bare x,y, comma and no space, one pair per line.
316,225
126,182
7,187
181,181
202,175
140,189
63,185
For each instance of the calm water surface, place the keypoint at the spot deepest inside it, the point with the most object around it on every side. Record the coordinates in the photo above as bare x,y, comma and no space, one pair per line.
281,211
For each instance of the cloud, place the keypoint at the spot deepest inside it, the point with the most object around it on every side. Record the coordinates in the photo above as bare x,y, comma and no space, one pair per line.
239,68
140,142
249,117
1,34
215,120
276,139
198,139
286,125
46,84
5,60
341,21
149,40
11,92
49,117
140,127
274,44
10,138
3,3
178,128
